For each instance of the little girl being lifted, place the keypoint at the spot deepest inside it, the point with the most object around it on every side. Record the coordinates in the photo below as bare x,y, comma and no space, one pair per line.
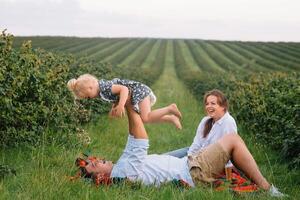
117,90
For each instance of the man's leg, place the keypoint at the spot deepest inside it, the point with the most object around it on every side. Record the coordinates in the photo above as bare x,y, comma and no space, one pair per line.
238,151
136,126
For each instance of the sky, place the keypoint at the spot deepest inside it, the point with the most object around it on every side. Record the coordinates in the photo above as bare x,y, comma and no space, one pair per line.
245,20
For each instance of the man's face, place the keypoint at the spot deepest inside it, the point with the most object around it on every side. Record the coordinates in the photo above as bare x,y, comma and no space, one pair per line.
99,166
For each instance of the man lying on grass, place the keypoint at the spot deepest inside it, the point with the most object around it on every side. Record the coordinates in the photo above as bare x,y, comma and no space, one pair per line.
136,165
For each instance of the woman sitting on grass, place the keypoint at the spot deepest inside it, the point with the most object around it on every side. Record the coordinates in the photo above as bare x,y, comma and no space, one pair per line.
212,127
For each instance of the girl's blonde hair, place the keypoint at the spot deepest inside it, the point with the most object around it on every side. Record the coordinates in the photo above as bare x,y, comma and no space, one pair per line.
79,85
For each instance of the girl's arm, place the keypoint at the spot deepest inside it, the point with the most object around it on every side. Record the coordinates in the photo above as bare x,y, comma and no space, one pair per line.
122,91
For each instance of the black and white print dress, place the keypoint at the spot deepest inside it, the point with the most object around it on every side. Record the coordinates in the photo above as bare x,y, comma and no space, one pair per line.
138,91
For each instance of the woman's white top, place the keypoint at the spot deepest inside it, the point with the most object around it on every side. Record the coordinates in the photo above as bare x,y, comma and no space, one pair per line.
225,125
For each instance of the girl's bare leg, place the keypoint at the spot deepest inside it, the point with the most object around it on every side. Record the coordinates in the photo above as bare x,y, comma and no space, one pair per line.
235,146
166,114
172,119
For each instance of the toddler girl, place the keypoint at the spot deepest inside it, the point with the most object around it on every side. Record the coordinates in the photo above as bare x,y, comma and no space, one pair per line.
117,90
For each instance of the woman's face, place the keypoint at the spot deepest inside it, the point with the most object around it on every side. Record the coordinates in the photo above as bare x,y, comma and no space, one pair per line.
213,109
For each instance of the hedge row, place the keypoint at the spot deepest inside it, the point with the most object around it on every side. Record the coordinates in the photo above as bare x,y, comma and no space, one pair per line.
34,99
267,105
33,95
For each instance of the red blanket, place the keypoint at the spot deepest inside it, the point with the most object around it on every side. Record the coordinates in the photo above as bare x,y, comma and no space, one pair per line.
235,181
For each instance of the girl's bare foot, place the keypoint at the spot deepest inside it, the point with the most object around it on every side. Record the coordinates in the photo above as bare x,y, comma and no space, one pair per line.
175,120
175,111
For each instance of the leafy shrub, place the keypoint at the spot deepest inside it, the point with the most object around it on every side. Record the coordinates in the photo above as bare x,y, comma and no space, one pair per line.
34,96
5,170
32,93
268,105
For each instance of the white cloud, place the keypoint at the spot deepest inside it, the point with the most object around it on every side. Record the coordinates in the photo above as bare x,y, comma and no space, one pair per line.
200,9
228,20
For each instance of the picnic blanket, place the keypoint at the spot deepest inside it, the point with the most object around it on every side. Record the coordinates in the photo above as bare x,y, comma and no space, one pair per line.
236,182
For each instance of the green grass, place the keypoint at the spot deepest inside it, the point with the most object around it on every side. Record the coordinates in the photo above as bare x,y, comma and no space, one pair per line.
43,172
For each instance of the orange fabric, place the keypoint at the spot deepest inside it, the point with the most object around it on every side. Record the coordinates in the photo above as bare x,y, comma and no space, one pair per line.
238,183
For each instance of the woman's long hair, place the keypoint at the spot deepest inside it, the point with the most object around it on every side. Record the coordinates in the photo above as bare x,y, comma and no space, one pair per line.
221,100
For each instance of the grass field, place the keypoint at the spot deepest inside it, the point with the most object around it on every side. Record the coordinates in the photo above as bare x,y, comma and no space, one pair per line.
43,172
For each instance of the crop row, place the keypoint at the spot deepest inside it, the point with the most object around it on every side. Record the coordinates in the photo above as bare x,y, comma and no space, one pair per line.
218,57
120,55
138,57
252,57
106,52
279,52
210,56
281,63
237,57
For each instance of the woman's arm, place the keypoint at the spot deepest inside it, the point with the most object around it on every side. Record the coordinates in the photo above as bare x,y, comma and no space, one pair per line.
228,126
198,139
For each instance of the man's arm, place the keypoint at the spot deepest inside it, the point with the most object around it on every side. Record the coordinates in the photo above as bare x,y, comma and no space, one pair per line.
136,125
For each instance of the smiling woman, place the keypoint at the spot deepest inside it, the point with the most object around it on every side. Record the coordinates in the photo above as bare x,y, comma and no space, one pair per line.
212,127
216,106
216,124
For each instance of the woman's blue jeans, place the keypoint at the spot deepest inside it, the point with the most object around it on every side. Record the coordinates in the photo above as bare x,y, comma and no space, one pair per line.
179,153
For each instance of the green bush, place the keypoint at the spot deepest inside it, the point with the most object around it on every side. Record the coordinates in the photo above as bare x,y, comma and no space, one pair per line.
268,105
34,96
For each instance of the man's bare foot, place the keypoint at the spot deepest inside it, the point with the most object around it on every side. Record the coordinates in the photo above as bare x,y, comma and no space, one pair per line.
175,120
175,111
